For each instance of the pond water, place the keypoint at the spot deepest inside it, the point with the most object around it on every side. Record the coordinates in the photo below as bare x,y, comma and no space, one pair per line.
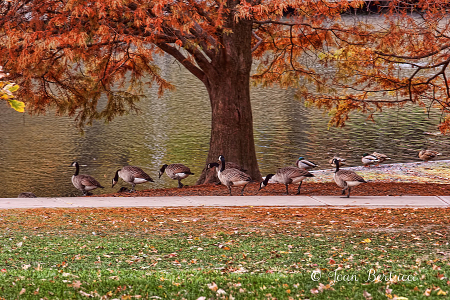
36,152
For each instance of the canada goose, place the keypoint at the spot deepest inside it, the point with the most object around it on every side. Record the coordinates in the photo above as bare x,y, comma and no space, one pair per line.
27,195
342,161
304,164
133,175
381,157
427,155
287,176
176,171
84,183
232,177
346,178
368,160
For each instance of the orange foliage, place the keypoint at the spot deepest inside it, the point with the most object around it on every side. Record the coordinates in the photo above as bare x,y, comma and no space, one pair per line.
68,54
210,222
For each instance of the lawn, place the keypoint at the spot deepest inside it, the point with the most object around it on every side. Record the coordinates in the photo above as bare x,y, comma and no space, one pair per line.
218,253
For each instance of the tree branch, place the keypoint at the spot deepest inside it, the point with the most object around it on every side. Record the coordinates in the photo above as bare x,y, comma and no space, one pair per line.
446,46
260,40
182,59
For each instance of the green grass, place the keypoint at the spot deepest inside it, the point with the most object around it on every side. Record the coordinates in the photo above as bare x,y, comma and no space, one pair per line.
241,263
244,266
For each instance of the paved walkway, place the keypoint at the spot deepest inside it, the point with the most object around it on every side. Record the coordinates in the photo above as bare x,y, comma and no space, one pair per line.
231,201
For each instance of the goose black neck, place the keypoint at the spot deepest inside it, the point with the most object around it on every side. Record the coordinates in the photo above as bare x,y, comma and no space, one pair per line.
222,164
77,169
266,180
337,165
116,177
163,168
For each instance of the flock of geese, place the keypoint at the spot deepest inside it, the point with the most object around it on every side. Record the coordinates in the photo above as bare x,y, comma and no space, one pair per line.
230,174
130,174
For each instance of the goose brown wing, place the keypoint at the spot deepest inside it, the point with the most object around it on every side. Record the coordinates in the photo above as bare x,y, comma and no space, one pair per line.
137,172
236,175
348,175
179,168
293,172
87,180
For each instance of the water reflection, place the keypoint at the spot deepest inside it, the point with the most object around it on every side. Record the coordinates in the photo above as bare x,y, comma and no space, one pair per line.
36,152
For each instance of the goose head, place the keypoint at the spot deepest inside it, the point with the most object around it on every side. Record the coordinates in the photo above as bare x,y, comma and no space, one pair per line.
115,179
336,162
265,181
161,171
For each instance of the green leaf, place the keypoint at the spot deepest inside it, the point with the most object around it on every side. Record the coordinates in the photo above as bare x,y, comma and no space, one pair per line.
17,105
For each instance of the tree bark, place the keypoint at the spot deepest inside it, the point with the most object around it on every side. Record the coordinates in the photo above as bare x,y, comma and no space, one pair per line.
228,86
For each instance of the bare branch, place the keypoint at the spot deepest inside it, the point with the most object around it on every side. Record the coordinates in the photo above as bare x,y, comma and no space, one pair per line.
260,40
446,46
183,60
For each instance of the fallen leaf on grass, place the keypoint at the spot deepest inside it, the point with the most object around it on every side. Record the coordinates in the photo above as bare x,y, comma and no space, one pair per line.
76,284
323,287
224,247
221,292
86,294
367,295
213,286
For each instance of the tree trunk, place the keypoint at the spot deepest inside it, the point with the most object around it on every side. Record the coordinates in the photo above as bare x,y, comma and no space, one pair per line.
229,93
